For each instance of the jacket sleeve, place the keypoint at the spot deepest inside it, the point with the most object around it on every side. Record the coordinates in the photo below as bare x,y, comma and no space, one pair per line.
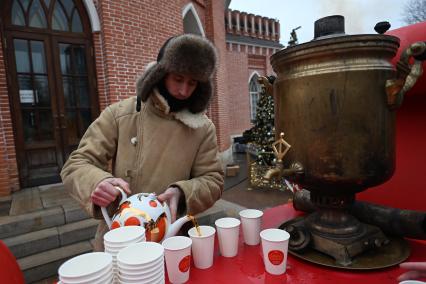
206,185
88,165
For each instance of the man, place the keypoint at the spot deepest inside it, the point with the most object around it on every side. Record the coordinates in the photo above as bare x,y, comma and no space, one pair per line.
160,142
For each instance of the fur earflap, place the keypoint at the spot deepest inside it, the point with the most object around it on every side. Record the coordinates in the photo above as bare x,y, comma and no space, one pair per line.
187,54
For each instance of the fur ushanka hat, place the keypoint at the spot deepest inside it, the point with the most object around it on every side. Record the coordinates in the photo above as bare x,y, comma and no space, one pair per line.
187,54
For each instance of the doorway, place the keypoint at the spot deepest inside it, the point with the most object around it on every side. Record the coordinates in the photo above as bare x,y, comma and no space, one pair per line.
51,82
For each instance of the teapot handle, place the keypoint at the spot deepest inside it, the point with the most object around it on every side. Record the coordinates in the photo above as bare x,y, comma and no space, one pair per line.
104,210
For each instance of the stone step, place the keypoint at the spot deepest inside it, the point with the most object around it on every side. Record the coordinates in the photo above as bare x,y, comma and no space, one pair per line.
5,203
46,264
51,238
21,224
42,219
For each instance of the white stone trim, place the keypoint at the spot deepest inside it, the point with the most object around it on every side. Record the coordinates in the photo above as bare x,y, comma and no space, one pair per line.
266,23
273,28
237,17
260,26
230,42
93,15
252,74
190,8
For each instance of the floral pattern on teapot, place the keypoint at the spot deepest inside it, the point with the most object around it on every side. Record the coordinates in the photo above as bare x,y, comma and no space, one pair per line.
144,209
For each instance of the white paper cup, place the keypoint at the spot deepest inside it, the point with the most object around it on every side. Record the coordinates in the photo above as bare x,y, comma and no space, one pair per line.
412,282
251,221
177,252
275,249
202,246
228,230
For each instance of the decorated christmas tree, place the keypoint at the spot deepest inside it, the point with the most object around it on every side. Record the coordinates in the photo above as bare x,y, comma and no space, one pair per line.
263,132
261,137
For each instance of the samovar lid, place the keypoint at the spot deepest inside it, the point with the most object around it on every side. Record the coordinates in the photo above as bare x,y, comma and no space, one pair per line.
330,26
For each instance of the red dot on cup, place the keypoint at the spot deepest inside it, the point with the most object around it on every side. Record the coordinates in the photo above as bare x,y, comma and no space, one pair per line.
152,203
276,257
185,263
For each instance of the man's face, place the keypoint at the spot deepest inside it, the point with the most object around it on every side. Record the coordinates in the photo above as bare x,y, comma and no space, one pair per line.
180,86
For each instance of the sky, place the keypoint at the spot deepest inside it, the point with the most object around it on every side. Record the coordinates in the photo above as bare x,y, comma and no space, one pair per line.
360,15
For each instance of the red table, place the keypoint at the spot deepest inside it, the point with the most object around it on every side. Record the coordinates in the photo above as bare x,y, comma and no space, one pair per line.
247,266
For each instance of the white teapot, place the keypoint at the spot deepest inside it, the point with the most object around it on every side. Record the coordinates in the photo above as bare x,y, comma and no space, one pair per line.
144,209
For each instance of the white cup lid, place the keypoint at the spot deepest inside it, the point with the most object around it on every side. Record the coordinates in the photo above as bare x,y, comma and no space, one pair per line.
124,234
85,265
140,253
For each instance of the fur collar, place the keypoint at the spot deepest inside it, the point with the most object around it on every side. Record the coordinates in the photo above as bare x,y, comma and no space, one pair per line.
192,120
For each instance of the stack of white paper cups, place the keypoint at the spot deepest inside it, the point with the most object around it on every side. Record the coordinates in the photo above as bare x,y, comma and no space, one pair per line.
93,268
141,263
119,238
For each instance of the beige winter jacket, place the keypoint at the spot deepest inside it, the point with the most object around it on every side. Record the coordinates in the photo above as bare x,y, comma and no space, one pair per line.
151,150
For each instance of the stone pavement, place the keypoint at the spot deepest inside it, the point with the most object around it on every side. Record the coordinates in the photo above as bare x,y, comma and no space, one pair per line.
42,224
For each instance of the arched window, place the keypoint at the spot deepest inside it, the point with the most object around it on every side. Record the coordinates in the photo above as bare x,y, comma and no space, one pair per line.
254,90
191,21
34,14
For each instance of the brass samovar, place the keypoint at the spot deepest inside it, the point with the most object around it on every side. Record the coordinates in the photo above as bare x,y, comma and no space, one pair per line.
335,100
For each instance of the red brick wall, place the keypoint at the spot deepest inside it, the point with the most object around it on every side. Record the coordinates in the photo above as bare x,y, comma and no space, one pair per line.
8,167
269,70
240,66
238,92
218,110
132,33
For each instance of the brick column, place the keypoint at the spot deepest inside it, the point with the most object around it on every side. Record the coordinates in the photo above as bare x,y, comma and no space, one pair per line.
266,23
253,30
273,29
245,30
260,32
229,27
9,180
218,110
237,19
277,31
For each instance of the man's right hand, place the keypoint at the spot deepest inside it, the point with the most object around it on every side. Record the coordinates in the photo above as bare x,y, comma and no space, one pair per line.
105,192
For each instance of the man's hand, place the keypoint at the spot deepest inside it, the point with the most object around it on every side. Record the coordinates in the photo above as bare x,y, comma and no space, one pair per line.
171,197
417,270
105,192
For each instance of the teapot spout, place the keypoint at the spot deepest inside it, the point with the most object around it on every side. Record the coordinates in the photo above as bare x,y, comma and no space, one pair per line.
175,227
